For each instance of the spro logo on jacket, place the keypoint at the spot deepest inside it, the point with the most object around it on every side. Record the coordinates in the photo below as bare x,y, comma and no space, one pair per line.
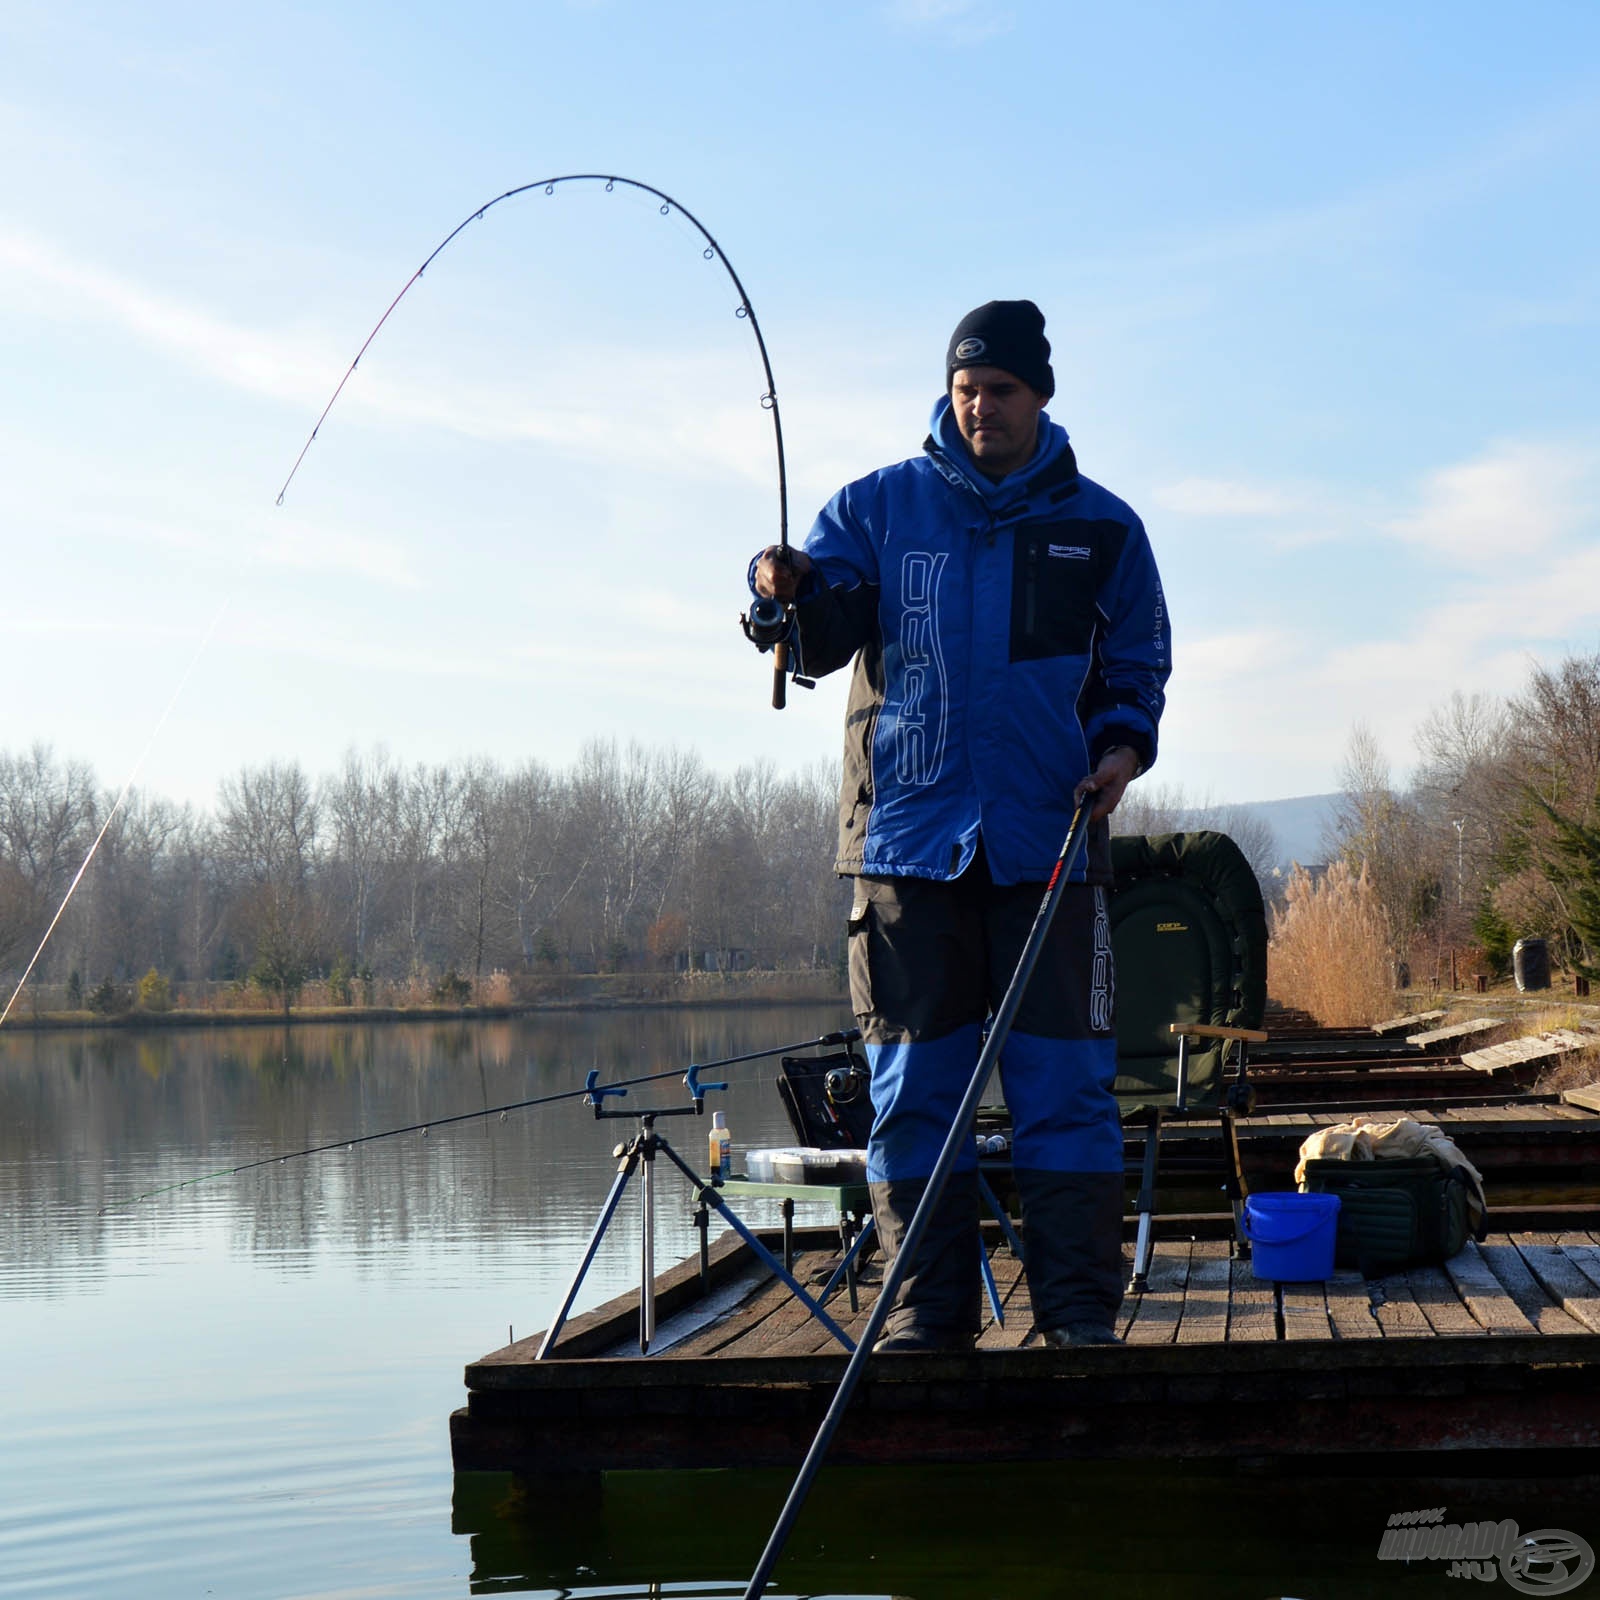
919,729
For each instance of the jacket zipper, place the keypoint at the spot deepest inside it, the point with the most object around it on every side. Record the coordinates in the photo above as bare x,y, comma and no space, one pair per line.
1030,589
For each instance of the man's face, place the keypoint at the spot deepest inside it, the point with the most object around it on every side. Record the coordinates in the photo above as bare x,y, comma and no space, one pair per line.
998,416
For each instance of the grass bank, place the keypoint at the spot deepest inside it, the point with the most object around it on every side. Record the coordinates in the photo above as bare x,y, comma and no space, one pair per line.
567,992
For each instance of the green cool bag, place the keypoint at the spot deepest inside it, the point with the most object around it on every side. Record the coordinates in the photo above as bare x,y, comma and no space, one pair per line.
1396,1212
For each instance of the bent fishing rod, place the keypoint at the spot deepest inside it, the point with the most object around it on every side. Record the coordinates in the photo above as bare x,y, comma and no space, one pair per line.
957,1139
770,623
688,1076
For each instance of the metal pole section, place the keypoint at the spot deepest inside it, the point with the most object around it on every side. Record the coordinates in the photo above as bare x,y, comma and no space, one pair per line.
954,1141
709,1196
647,1246
608,1211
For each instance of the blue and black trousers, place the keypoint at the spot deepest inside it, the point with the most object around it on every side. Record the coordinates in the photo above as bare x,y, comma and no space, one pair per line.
930,962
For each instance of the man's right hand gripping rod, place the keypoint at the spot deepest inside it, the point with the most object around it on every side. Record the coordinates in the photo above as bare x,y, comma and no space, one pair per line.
771,616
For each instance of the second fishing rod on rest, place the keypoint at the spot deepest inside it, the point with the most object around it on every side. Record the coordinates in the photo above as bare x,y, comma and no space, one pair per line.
591,1087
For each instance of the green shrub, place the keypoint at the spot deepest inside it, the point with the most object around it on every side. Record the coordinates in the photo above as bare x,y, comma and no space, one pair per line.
452,989
341,987
106,999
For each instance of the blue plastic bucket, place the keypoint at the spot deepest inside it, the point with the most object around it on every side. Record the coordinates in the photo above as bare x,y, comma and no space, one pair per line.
1291,1236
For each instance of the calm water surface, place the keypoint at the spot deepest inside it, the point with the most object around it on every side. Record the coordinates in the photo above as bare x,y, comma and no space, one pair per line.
241,1388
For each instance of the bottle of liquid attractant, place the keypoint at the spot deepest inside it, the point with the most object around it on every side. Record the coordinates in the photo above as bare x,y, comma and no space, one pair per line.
721,1153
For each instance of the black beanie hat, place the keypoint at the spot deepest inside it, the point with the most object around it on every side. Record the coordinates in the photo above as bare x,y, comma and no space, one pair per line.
1004,333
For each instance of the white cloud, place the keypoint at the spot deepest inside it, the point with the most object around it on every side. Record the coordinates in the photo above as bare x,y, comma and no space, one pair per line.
1224,656
256,538
1218,497
1511,502
60,285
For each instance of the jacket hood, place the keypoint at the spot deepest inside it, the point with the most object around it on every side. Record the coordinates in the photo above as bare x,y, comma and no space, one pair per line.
949,450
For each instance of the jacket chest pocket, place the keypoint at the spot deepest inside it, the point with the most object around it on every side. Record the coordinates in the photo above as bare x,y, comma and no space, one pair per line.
1052,594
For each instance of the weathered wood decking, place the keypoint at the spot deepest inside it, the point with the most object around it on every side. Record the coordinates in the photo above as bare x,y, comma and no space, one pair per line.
1509,1139
1499,1349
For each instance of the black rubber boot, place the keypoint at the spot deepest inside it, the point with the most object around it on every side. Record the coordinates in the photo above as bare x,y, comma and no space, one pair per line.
938,1304
1072,1242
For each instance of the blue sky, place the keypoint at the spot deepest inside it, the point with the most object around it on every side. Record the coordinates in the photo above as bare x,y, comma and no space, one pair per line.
1323,284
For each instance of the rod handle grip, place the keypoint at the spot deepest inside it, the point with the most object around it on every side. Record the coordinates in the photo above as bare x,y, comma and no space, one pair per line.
780,675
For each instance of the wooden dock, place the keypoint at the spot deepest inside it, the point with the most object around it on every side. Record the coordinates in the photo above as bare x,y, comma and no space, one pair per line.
1497,1350
1509,1139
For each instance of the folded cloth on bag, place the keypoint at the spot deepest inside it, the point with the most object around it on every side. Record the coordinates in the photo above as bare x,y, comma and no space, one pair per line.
1373,1141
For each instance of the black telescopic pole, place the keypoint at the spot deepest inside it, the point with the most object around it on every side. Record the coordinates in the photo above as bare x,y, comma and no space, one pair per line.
960,1133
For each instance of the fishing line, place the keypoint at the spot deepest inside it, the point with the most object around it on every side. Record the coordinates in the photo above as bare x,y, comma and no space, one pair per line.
712,252
111,815
845,1037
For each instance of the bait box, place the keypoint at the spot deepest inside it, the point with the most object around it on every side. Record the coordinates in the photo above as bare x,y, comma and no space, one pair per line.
806,1165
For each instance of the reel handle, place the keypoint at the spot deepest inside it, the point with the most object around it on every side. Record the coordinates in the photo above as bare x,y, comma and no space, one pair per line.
780,675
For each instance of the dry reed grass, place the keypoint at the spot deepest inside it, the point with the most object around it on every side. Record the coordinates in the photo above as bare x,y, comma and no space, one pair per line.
1329,954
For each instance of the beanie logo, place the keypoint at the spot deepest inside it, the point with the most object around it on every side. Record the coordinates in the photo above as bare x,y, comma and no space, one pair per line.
970,349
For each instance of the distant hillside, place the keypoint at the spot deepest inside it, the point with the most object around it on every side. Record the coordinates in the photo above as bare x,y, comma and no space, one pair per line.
1298,825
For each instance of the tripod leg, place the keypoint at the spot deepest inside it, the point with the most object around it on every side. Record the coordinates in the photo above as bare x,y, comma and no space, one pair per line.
647,1258
1140,1281
1237,1188
608,1211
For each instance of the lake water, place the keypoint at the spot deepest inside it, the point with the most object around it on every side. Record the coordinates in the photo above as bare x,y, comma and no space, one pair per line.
241,1388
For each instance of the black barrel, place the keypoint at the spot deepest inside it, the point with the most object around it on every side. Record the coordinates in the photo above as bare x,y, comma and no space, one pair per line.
1530,960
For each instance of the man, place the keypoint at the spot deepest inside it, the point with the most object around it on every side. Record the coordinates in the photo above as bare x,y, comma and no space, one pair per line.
1011,648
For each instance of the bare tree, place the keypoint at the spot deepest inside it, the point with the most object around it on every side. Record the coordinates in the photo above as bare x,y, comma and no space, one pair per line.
269,829
1376,829
362,806
47,821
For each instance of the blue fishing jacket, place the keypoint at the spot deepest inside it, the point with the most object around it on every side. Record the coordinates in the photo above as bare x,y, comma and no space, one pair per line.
1005,635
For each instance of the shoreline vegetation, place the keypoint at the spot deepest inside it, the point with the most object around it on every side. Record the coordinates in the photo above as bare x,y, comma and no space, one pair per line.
558,993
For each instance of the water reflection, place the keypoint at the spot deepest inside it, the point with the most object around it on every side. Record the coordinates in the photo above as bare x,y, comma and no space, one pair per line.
1041,1532
90,1122
243,1387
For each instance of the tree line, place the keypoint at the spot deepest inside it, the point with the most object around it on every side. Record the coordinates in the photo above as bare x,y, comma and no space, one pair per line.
1495,838
633,858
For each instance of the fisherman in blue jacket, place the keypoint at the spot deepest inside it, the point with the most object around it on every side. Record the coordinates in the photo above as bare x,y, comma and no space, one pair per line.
1011,647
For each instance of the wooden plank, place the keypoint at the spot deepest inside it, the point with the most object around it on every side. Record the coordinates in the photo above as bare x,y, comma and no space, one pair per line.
1305,1311
1579,1248
1396,1309
1156,1313
1456,1033
1438,1301
1205,1299
1252,1306
1585,1099
1529,1296
789,1328
1560,1278
1484,1295
1350,1307
1415,1023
